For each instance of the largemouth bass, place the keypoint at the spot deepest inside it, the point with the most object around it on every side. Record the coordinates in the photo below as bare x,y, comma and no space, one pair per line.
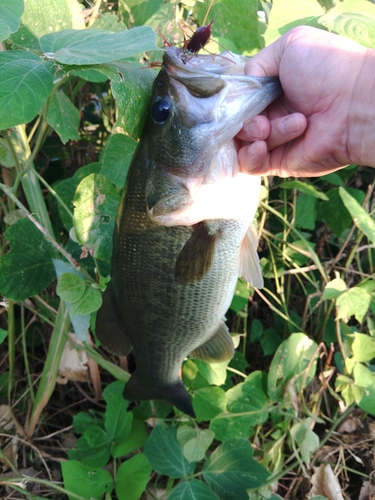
184,227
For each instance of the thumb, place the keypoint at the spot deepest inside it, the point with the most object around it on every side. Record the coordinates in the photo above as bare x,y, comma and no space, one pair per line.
266,62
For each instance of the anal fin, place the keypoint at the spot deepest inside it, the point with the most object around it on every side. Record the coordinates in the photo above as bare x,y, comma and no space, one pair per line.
109,329
249,260
218,348
195,259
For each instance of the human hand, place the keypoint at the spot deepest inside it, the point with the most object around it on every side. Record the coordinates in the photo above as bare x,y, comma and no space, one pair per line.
325,118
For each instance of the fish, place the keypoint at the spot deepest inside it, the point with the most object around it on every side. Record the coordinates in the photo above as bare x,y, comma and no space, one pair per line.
184,231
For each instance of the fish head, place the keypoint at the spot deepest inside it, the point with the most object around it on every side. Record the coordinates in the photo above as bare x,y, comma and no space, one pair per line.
199,103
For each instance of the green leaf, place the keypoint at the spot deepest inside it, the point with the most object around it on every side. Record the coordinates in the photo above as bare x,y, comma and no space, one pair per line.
117,421
192,490
304,187
92,46
285,15
132,477
84,481
234,21
353,302
363,376
25,84
215,373
241,296
367,401
209,402
63,117
70,287
114,389
131,87
116,158
10,14
90,301
360,217
363,347
334,289
165,454
93,448
227,427
334,212
96,201
83,420
41,17
27,268
354,19
65,190
305,438
195,449
306,211
136,439
291,360
231,470
3,335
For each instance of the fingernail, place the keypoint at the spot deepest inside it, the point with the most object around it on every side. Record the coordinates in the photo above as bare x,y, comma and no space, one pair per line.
290,124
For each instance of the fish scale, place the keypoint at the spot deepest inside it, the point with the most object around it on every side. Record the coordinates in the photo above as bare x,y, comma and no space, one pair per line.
183,227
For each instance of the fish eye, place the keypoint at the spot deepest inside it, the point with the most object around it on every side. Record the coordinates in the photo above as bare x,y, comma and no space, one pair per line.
161,109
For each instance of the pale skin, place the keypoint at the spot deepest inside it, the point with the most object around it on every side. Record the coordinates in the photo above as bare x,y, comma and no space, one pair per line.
325,119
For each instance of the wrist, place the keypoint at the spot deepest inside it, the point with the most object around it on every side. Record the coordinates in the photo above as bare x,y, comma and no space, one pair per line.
361,115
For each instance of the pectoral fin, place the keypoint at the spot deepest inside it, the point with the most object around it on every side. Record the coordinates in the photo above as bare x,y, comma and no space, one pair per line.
218,348
249,260
195,258
109,329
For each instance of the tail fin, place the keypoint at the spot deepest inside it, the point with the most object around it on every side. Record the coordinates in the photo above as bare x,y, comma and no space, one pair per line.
174,394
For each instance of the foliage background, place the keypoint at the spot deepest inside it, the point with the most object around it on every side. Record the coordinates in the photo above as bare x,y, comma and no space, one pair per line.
71,111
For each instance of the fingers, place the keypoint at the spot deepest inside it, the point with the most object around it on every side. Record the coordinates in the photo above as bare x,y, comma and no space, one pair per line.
267,61
264,136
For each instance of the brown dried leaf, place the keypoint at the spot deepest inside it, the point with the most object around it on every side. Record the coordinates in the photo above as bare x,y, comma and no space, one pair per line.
325,483
73,363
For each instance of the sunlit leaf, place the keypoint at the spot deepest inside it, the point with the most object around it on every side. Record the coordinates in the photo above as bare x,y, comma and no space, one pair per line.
304,187
353,302
116,158
91,46
363,347
360,217
334,289
44,16
25,84
10,14
96,201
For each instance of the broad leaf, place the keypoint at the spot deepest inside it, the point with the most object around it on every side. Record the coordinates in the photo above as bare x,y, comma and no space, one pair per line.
231,470
165,454
285,15
44,16
334,289
116,158
209,402
96,203
10,14
363,347
27,268
132,477
192,490
131,87
85,481
353,302
136,439
63,117
360,217
70,287
93,448
117,420
305,438
90,46
215,373
25,84
291,360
